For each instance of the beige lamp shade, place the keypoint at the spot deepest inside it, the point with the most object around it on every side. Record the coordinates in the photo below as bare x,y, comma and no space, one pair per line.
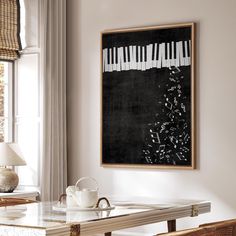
10,155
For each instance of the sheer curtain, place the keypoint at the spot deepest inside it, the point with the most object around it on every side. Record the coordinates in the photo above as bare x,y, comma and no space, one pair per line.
54,149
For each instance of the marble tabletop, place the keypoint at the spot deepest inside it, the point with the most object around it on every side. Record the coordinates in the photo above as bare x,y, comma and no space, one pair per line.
41,218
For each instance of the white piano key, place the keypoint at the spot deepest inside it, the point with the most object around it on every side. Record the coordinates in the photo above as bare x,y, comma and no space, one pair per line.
190,48
110,60
131,57
161,56
186,58
168,55
172,60
143,59
114,59
177,62
149,56
179,54
190,51
139,66
105,60
188,61
121,63
131,66
127,59
134,58
154,62
182,55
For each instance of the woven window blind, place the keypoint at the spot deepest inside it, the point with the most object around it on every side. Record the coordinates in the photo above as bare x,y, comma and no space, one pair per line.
10,44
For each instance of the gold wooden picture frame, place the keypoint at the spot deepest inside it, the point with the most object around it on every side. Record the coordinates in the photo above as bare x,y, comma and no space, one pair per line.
148,97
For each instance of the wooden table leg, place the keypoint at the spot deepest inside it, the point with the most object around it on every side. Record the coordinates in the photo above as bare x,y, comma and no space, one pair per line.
171,225
108,234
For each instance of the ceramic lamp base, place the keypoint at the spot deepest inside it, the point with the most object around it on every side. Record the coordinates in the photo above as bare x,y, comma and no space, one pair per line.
8,180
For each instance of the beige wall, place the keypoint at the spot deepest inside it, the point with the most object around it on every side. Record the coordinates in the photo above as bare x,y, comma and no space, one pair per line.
216,96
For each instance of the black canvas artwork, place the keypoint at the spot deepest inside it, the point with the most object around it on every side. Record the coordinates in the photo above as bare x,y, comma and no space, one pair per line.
147,97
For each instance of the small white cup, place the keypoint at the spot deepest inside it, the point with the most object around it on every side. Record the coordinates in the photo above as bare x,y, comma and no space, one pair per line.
86,198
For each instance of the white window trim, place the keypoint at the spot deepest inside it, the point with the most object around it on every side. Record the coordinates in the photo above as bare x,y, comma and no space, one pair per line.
31,50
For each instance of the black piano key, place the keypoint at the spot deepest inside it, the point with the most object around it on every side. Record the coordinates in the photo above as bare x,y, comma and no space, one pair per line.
108,56
183,47
157,49
137,53
170,52
145,53
128,56
153,52
174,50
112,56
188,47
116,55
124,54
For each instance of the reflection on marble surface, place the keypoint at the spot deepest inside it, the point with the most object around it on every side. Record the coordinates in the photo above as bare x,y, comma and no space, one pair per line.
40,219
43,216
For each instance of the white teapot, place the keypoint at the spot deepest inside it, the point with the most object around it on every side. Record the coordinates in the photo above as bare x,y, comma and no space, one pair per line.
82,197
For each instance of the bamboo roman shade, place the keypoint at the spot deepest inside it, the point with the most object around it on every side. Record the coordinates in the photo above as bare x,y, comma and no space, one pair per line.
9,30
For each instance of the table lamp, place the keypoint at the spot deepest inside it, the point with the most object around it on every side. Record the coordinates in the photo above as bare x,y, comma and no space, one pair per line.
10,155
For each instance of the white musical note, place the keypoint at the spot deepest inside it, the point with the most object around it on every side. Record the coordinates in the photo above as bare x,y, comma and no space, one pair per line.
175,101
181,156
162,151
185,149
172,88
174,141
148,159
172,79
163,126
183,107
168,104
175,70
146,151
155,136
186,138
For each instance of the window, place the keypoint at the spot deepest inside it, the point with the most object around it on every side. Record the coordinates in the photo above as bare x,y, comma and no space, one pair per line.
20,116
27,115
6,92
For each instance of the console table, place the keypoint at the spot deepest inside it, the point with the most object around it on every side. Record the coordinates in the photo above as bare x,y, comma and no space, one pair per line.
41,220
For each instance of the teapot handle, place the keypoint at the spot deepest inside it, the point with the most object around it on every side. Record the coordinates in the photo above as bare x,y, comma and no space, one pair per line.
86,178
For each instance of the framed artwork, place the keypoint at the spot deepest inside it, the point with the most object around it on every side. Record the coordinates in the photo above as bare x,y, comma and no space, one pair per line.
147,82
